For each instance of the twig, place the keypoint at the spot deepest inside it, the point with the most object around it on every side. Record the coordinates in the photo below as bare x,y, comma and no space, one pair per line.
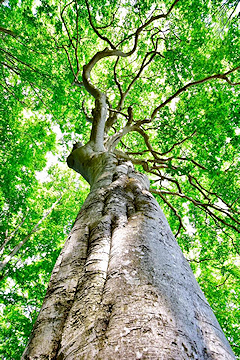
223,281
178,143
174,210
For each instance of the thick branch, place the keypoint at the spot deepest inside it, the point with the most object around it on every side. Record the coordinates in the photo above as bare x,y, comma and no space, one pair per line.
115,52
100,112
135,34
99,123
114,140
95,59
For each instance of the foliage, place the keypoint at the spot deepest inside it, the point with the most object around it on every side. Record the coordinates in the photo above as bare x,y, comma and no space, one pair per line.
172,88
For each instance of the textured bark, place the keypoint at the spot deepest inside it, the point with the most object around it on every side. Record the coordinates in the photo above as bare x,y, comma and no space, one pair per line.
121,288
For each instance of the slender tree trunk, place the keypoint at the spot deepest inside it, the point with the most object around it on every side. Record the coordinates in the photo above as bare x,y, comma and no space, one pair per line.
121,288
15,250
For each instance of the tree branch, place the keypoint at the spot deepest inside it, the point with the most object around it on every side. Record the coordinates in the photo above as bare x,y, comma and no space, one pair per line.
141,28
193,161
223,281
8,32
8,258
12,93
8,238
184,88
104,38
11,68
203,206
97,133
178,143
199,261
175,212
64,23
123,95
70,63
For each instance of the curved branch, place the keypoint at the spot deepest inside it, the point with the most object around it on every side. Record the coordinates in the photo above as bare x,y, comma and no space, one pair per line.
97,133
193,161
141,28
123,95
64,23
115,77
104,38
108,25
223,281
88,68
100,114
114,139
115,52
95,59
184,88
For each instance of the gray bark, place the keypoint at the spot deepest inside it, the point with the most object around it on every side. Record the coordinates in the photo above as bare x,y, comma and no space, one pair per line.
121,288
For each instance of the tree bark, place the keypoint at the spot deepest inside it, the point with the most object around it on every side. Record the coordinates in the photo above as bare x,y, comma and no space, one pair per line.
121,288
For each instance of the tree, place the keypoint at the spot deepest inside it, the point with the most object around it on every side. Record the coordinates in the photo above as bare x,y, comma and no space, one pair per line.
165,101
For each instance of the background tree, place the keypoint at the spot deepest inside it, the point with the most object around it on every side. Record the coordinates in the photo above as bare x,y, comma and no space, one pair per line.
171,103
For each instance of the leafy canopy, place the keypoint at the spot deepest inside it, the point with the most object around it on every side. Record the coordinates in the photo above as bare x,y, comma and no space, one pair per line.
170,73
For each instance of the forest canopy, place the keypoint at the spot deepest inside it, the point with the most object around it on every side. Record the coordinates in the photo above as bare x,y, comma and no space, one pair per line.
170,73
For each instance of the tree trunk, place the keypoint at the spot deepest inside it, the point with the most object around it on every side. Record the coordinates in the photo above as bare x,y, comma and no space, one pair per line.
121,288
